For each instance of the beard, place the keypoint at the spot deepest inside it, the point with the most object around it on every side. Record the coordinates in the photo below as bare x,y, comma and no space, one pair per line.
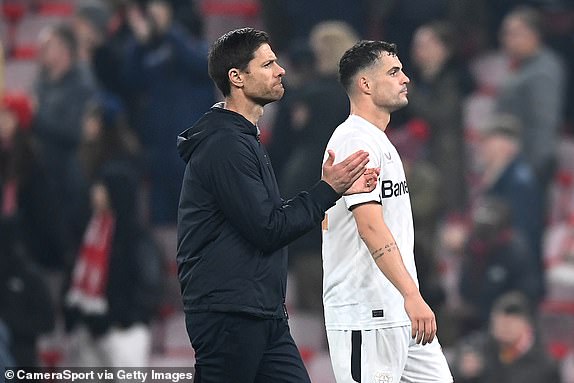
268,97
398,105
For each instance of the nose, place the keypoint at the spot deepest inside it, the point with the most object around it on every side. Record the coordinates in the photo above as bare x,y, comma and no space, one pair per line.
406,80
281,71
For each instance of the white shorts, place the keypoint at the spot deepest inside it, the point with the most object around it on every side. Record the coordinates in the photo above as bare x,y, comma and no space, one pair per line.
387,355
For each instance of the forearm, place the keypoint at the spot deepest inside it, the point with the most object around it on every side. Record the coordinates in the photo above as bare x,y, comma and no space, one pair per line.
382,245
387,257
386,254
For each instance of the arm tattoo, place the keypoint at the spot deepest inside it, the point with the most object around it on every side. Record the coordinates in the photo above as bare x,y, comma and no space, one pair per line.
381,251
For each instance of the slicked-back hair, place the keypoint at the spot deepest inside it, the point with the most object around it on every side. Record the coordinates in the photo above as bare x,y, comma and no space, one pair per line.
362,55
235,49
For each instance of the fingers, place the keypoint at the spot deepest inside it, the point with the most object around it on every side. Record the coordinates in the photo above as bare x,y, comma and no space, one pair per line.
359,169
424,330
341,176
353,160
414,328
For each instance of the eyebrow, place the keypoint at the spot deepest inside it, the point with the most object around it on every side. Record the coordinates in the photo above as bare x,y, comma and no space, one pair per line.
394,69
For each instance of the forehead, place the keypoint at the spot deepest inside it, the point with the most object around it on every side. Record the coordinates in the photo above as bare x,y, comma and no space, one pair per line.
263,53
387,61
514,23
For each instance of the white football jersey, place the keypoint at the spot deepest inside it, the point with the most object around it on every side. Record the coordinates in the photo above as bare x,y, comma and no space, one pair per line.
356,294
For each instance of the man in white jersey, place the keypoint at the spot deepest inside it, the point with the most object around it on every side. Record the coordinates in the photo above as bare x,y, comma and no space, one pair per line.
379,327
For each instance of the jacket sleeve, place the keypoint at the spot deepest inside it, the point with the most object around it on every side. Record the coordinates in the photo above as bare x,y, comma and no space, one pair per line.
235,178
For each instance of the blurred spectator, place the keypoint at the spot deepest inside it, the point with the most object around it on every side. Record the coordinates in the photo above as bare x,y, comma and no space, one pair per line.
90,23
496,260
424,183
2,63
511,351
104,35
26,306
6,359
188,14
116,285
107,142
291,21
107,138
27,195
436,95
400,19
167,69
317,108
508,176
301,71
321,105
534,90
28,233
62,91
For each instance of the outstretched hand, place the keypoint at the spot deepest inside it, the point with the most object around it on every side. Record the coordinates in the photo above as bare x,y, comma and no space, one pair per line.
343,175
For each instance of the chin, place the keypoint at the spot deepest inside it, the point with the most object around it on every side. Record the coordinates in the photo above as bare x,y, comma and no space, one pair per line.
269,99
399,105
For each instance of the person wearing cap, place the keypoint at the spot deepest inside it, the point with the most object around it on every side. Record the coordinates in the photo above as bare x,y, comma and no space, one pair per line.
507,175
510,352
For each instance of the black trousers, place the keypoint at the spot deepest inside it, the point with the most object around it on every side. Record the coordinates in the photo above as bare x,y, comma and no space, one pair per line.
239,348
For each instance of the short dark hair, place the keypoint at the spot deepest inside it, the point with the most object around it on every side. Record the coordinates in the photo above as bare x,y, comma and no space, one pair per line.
360,56
235,49
65,33
514,303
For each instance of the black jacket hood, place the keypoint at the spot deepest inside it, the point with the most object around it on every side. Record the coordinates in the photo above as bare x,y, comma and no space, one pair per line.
211,122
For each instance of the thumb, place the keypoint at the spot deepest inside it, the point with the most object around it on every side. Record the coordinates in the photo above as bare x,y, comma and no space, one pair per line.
331,159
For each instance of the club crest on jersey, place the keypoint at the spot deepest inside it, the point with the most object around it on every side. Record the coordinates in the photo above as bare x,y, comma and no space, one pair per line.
383,377
393,189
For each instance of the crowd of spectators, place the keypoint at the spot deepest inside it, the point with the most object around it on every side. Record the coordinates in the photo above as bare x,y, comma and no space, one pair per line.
89,173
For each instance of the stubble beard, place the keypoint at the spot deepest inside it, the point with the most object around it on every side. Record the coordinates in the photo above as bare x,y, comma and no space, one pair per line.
398,105
269,97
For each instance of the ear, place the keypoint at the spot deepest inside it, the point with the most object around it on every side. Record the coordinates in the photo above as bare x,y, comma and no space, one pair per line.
364,84
235,78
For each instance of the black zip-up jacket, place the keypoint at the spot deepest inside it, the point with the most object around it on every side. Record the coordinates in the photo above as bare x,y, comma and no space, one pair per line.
233,226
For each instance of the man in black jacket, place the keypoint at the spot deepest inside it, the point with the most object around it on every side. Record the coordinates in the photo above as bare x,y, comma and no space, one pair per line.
233,225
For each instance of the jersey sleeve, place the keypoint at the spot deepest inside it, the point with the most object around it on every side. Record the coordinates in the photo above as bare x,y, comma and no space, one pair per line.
344,146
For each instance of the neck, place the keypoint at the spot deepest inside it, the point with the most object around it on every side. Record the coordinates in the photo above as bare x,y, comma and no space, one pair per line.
376,116
248,109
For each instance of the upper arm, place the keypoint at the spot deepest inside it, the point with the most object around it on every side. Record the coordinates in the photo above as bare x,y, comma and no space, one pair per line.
234,178
249,200
370,223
